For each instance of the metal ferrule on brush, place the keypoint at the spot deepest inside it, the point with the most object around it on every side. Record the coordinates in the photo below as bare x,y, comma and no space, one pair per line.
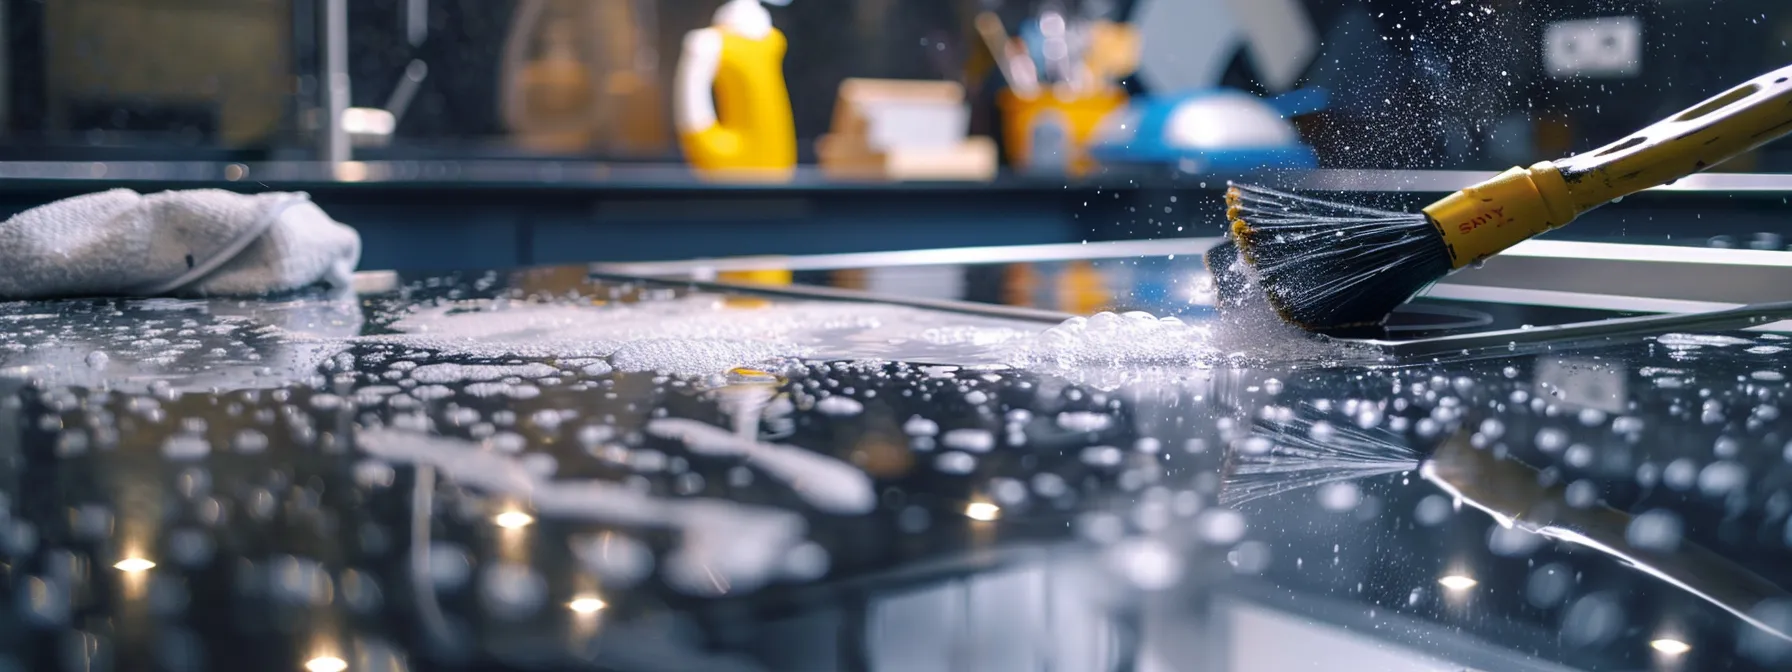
1485,219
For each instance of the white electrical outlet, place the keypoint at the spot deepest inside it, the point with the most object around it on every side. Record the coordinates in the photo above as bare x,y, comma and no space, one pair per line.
1609,46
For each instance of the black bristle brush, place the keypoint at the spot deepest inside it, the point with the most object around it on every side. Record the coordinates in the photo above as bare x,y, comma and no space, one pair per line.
1332,267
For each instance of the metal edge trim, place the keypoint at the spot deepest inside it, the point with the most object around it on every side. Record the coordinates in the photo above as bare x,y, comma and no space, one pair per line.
930,257
834,294
1546,297
1671,254
1743,317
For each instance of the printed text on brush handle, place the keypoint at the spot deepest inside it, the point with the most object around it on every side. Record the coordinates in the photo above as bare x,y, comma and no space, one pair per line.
1714,131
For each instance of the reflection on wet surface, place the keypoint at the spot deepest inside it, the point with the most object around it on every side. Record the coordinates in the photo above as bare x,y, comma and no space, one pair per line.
507,472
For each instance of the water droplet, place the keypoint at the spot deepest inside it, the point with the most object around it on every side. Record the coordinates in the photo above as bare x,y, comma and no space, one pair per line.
1720,478
512,591
1548,585
954,462
1147,563
449,566
1339,497
185,447
919,426
1592,621
1551,440
1221,527
1655,530
1102,456
839,406
1084,421
1433,510
1249,558
972,440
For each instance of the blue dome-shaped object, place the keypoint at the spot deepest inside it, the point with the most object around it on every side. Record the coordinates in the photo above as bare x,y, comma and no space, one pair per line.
1215,130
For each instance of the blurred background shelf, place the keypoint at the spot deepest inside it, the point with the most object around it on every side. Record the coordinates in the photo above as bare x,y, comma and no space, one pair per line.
198,76
477,172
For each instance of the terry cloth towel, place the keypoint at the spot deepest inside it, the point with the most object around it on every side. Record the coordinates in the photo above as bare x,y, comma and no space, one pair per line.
202,242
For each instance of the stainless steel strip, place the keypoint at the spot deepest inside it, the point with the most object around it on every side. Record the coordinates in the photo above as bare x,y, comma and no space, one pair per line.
937,257
1657,272
832,294
1743,317
1544,297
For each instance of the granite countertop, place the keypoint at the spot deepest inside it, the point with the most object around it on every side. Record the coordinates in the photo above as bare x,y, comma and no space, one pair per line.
548,470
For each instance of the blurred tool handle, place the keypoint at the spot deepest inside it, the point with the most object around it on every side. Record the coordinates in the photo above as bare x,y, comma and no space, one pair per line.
1027,79
995,38
1703,136
407,88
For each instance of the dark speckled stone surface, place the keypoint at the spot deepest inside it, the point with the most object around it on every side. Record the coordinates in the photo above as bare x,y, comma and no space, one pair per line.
539,470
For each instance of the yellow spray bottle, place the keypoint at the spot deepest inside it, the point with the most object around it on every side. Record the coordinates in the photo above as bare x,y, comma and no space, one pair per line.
737,66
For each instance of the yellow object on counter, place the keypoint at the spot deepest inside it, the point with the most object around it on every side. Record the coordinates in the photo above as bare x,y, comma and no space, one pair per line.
766,276
1082,289
733,105
1076,115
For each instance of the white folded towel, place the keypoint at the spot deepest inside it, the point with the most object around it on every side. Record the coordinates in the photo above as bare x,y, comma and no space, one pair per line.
202,242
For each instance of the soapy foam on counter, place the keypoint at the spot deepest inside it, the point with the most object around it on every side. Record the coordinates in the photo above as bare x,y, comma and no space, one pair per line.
180,344
436,374
273,344
1138,339
1247,332
700,335
699,356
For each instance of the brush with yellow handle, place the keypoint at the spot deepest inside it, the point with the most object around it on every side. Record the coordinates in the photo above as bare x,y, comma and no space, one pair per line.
1327,266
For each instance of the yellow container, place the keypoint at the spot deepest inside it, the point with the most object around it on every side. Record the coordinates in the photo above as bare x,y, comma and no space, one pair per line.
1077,114
765,276
753,133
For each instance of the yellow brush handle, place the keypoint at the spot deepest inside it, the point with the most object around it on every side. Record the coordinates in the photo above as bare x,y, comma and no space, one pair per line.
1482,220
1700,137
